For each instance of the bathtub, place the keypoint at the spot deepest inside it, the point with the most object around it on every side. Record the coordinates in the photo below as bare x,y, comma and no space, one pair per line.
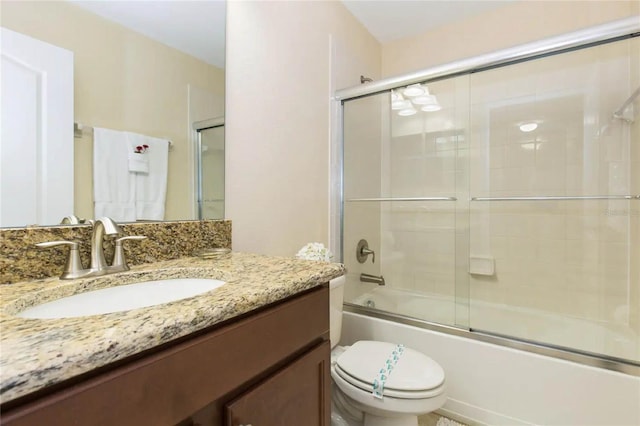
498,385
614,340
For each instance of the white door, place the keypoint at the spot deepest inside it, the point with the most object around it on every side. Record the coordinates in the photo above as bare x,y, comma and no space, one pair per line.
36,146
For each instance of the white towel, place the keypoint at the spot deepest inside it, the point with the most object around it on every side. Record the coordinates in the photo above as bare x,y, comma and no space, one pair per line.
138,162
151,187
113,185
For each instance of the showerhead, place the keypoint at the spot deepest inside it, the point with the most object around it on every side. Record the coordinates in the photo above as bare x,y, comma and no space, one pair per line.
627,111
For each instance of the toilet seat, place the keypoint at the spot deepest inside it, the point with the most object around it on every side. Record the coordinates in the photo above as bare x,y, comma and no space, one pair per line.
388,392
414,376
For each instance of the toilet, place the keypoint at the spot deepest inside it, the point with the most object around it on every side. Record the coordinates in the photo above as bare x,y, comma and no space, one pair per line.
379,383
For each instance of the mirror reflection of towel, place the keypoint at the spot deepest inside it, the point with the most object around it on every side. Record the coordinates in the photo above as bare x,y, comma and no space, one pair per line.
129,186
114,191
151,187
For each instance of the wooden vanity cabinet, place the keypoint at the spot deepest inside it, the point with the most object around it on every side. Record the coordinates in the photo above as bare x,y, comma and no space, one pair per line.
293,396
270,368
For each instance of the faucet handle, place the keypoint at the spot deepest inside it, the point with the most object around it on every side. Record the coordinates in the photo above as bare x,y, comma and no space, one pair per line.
363,250
119,260
73,267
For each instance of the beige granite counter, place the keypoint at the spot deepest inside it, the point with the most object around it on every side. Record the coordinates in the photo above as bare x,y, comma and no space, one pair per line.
21,260
36,353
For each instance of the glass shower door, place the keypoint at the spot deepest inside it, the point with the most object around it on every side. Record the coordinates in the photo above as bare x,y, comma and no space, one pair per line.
210,187
553,178
406,193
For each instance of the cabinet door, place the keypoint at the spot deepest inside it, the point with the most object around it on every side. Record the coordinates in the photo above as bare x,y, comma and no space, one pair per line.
296,395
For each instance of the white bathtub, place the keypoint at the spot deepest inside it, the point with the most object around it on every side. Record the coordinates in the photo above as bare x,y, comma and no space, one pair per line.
599,338
497,385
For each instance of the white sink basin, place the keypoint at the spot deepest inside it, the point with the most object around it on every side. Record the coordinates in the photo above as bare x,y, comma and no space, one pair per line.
122,298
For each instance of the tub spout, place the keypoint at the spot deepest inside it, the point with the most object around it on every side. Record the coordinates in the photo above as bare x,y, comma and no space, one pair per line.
367,278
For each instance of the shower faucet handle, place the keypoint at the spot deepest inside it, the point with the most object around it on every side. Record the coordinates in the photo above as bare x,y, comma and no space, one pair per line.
363,251
366,252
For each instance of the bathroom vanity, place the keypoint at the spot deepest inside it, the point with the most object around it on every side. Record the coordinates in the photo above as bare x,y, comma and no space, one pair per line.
254,351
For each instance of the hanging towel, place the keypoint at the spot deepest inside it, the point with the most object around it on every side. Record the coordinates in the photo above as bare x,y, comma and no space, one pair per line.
138,162
151,187
113,185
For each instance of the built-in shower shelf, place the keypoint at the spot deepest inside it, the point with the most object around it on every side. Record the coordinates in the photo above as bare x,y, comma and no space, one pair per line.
559,198
403,199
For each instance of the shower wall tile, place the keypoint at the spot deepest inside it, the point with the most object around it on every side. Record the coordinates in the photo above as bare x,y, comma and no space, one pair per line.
551,251
581,280
551,154
583,304
423,248
362,147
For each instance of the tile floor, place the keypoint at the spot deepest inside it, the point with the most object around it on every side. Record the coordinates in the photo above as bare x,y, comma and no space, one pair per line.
435,419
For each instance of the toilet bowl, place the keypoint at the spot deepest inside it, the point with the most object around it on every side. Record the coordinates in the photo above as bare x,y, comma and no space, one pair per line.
379,383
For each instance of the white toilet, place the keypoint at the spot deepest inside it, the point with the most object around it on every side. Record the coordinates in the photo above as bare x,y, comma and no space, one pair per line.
407,382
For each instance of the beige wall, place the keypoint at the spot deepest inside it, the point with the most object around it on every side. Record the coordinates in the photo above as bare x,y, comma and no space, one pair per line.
283,61
123,81
518,23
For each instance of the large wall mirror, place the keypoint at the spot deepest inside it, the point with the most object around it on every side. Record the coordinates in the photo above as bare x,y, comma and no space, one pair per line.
153,68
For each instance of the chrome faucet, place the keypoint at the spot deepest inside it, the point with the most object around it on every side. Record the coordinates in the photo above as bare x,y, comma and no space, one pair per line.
101,227
71,220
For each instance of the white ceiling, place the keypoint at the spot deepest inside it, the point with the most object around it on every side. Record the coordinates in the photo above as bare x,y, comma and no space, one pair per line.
194,27
198,27
389,20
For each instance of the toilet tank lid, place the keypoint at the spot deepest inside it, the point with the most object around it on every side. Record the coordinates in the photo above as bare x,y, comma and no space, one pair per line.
413,371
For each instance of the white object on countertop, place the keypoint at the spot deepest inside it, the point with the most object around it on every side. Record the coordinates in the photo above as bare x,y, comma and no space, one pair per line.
315,251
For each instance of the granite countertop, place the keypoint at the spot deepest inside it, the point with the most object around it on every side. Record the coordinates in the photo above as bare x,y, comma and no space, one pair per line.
36,353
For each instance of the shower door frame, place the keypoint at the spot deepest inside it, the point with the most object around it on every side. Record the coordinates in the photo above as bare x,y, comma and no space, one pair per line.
605,33
197,127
